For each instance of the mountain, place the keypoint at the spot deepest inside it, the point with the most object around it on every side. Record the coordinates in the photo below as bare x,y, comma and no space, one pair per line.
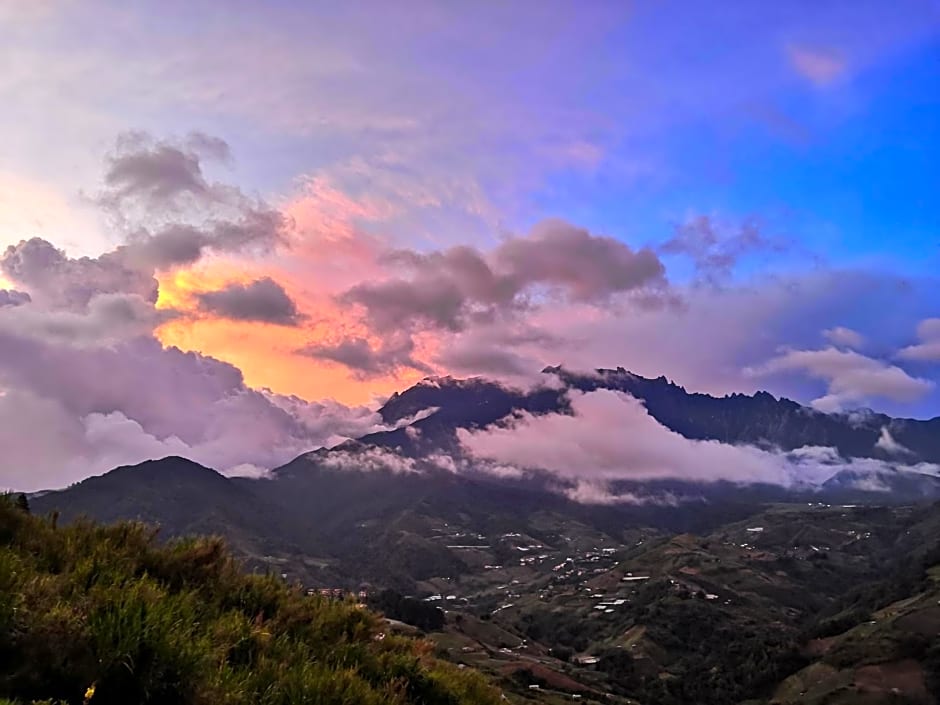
178,496
759,419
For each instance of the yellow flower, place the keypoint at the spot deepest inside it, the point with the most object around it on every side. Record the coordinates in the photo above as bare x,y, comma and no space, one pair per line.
90,693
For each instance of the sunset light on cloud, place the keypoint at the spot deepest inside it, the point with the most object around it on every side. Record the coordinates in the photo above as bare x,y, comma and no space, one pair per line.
311,208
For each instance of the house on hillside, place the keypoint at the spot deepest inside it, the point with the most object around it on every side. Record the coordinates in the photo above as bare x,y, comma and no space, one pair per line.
585,659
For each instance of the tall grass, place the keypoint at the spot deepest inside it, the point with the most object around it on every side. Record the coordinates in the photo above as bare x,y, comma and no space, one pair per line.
105,615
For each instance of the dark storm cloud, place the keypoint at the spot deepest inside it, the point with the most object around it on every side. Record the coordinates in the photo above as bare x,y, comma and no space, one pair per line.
262,300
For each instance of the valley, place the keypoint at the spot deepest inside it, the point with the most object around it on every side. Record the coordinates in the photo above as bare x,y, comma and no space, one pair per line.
628,605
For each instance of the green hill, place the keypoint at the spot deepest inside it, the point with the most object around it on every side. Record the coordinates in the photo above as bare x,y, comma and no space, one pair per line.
104,615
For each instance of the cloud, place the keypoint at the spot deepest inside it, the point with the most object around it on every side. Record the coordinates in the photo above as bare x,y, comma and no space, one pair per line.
55,280
157,173
263,300
171,214
491,350
844,337
108,318
80,360
255,228
359,355
447,289
609,437
714,248
11,297
600,493
147,180
819,65
584,267
887,443
852,378
183,403
369,459
712,342
928,349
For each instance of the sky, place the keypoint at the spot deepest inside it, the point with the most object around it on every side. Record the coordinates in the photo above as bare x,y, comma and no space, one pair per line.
230,230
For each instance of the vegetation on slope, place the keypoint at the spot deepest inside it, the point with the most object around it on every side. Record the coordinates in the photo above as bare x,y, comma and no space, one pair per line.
104,615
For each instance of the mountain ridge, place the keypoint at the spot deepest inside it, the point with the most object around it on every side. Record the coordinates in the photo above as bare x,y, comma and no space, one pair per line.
759,419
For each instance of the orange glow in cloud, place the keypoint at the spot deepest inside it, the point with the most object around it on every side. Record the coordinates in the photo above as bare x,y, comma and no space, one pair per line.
327,254
265,353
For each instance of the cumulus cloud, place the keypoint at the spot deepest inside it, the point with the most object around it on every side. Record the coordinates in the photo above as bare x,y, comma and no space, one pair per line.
852,378
460,288
147,401
57,281
254,229
107,319
928,349
262,300
146,179
844,337
449,288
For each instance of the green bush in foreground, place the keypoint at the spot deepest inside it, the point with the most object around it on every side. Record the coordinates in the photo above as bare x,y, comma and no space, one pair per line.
104,615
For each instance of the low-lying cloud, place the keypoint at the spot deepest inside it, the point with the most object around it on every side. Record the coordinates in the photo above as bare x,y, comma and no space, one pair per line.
610,436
